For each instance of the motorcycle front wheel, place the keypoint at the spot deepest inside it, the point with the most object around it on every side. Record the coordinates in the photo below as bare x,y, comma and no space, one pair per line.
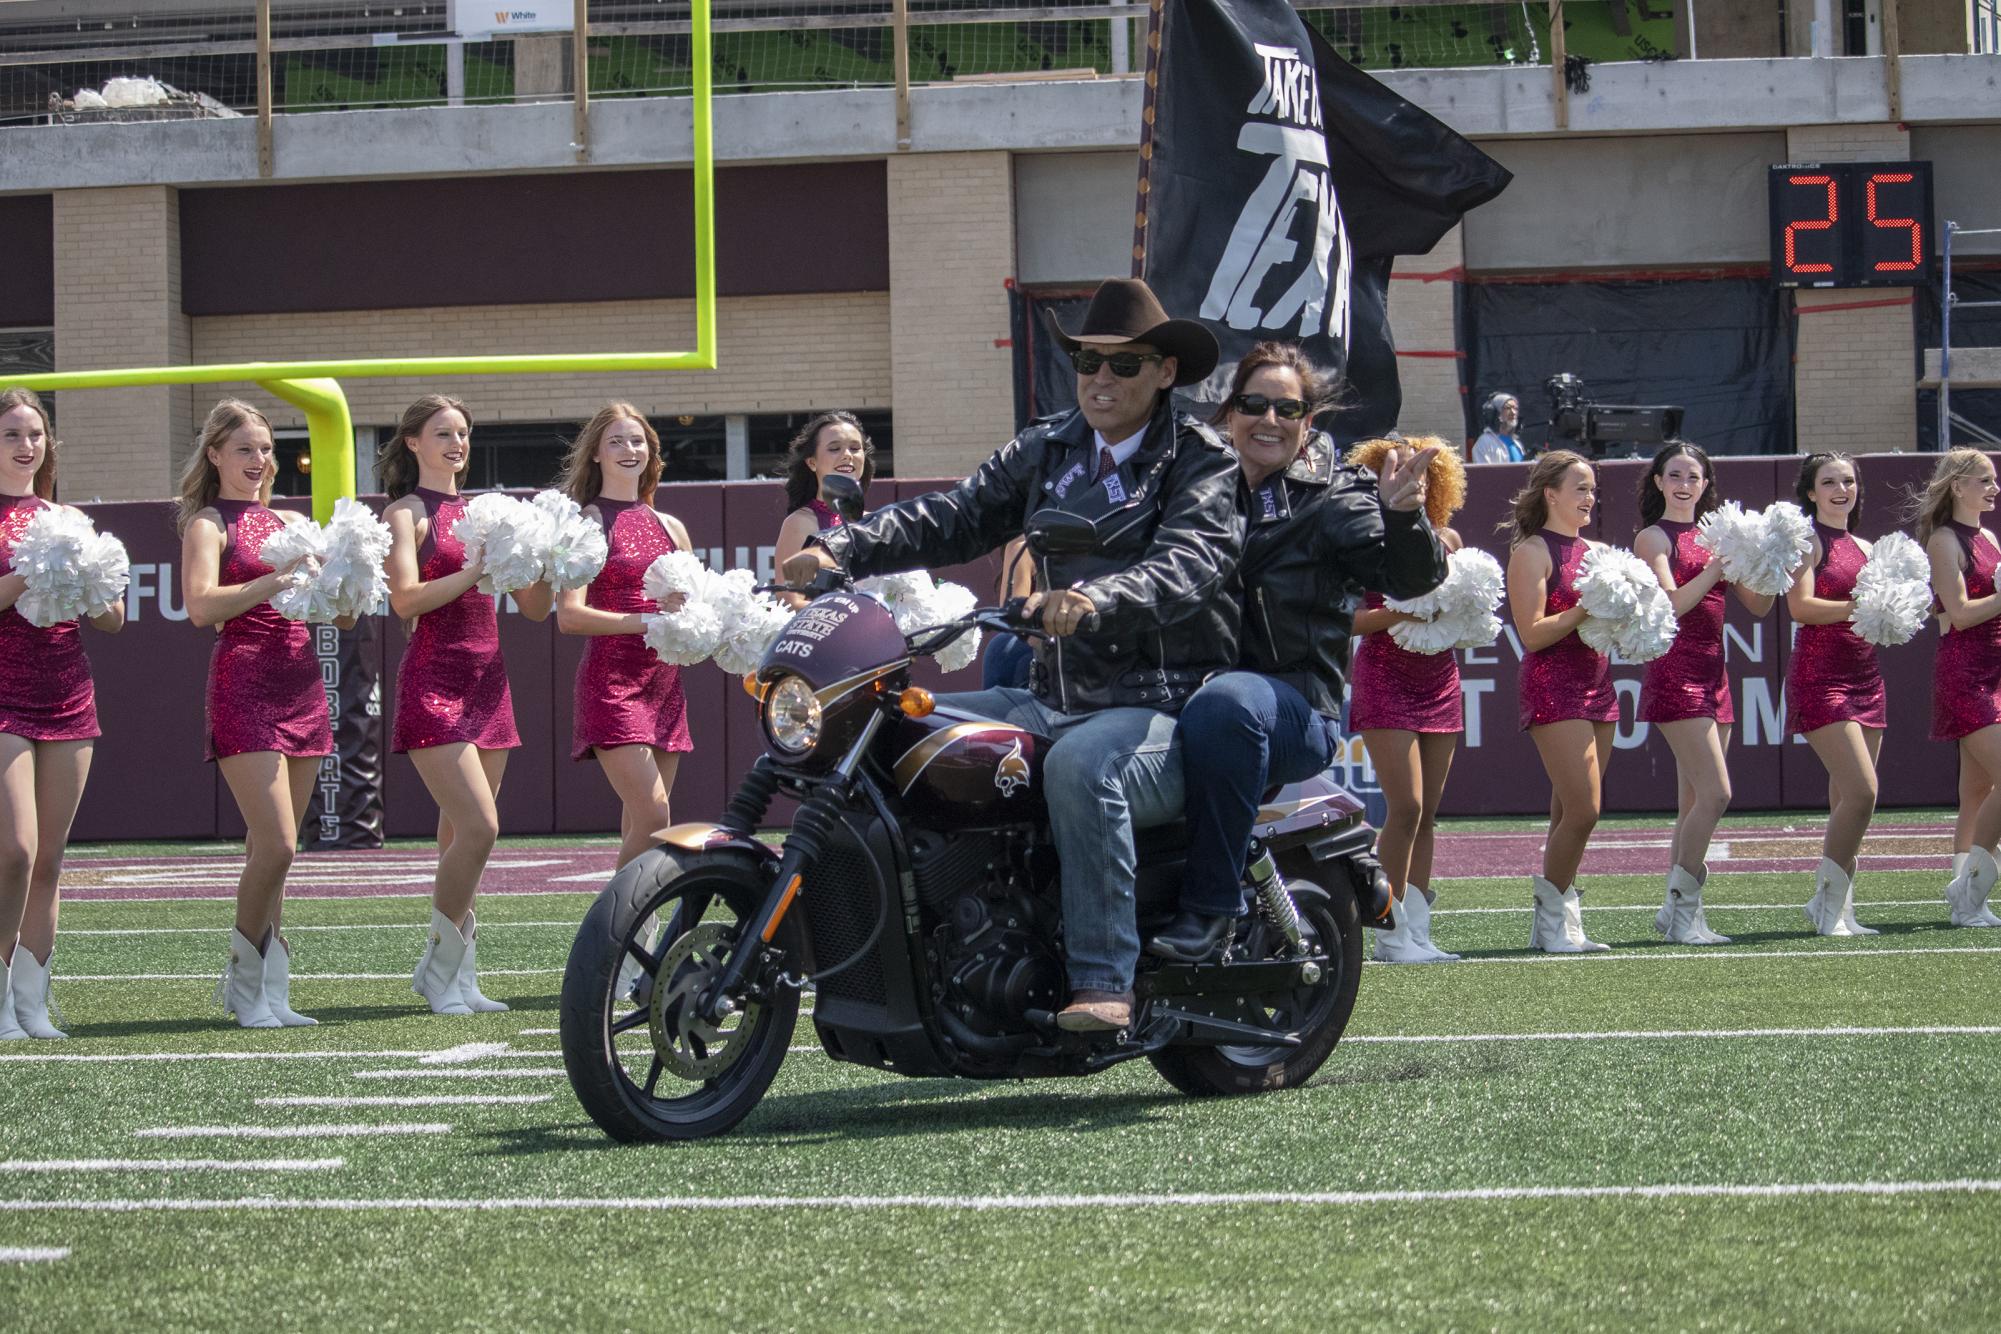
642,1061
1318,1014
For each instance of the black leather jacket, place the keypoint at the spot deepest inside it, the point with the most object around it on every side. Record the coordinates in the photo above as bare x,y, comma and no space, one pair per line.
1171,530
1319,536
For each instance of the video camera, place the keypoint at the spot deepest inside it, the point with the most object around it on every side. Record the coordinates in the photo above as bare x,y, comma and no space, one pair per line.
1604,430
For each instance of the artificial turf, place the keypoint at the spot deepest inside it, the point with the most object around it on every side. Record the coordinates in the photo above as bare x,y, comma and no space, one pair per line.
1705,1109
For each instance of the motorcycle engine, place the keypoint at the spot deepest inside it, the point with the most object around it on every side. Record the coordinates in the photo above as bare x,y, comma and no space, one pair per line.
998,962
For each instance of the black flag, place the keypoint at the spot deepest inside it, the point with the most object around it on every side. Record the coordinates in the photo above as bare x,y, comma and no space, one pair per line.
1277,182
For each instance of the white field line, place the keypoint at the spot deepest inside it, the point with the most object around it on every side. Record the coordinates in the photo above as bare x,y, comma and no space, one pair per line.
988,1203
1708,906
1629,955
78,896
430,1100
296,977
504,1072
118,1058
20,1255
350,1131
290,930
540,1032
1643,1035
70,1165
464,1053
304,870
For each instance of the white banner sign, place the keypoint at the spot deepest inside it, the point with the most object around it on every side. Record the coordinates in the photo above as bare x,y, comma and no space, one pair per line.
483,20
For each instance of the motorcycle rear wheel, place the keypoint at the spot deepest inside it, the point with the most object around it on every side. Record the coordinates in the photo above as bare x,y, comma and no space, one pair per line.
1318,1014
642,1064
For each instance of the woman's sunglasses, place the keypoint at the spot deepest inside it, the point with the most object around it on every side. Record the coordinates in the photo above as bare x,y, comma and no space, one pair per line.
1125,365
1256,405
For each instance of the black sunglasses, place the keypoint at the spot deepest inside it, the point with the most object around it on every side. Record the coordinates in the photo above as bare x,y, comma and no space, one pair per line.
1125,365
1256,405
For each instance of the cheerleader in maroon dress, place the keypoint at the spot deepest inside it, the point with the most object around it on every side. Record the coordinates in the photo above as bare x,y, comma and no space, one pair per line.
1966,680
829,443
630,709
1410,712
1834,690
1686,692
268,723
454,716
1568,706
48,727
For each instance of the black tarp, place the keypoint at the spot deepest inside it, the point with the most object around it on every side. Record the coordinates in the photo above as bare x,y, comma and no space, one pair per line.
1720,347
1976,412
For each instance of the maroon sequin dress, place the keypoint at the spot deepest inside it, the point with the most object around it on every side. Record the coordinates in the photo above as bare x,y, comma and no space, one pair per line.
452,682
45,688
1569,679
1688,681
626,696
1966,678
1833,676
264,688
824,514
1392,688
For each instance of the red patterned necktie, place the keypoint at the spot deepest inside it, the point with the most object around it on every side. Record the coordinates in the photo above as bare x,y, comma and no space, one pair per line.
1106,464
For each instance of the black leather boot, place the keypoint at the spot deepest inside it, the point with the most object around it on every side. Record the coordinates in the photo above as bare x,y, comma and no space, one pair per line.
1193,937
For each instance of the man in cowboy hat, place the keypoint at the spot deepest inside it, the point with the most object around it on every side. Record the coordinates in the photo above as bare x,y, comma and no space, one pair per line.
1134,627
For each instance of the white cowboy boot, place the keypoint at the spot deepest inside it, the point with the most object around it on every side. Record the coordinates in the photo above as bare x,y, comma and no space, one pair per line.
1393,944
1558,927
278,984
1832,907
9,1029
469,991
29,988
241,990
437,975
1967,893
1420,926
1680,918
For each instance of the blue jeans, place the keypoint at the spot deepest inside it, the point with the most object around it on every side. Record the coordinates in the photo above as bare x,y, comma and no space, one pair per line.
1006,662
1249,731
1106,774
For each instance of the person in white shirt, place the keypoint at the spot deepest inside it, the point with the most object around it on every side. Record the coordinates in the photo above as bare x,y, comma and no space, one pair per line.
1500,414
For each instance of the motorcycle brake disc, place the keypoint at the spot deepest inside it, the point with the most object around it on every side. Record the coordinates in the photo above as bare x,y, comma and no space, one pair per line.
687,1044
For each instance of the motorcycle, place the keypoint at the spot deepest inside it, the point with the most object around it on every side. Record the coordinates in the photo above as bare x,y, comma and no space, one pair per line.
916,894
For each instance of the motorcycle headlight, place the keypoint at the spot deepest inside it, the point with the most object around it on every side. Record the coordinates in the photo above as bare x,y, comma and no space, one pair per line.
792,716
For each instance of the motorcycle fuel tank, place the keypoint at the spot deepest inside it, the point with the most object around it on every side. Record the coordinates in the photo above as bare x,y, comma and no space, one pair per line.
958,770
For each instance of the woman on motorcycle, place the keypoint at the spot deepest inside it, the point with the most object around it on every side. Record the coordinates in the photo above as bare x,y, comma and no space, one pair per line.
1319,532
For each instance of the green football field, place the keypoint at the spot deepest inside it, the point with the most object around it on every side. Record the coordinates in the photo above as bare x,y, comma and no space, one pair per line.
1782,1133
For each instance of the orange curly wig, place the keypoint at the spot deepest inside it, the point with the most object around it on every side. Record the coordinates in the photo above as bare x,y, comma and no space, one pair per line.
1444,480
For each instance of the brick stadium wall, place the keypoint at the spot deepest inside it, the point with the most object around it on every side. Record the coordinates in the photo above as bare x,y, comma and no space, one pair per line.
149,779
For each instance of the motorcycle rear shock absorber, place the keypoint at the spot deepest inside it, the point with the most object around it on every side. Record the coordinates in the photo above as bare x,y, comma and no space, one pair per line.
1269,888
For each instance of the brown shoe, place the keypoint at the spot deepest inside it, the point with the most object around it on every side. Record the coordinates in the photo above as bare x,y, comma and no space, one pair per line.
1096,1012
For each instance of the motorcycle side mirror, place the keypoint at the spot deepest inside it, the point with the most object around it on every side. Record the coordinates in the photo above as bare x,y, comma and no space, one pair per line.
844,494
1059,533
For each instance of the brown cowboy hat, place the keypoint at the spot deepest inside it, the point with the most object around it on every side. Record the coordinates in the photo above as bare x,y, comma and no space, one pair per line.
1125,310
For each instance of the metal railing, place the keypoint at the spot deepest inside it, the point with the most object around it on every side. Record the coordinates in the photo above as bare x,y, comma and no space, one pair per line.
196,58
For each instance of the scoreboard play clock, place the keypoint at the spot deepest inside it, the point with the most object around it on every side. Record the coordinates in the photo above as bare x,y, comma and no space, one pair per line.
1852,224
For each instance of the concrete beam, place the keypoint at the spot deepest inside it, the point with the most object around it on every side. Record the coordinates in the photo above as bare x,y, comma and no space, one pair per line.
1054,116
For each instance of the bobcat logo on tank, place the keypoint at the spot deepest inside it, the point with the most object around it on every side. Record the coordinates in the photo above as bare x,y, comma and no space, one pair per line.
1011,774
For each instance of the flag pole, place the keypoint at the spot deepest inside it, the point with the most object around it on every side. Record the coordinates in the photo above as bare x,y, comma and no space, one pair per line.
1154,22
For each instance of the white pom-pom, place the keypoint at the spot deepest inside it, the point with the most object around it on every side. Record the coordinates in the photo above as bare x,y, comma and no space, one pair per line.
744,642
298,549
507,537
1457,610
69,567
357,544
1628,611
1893,592
1761,552
574,548
676,572
685,637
